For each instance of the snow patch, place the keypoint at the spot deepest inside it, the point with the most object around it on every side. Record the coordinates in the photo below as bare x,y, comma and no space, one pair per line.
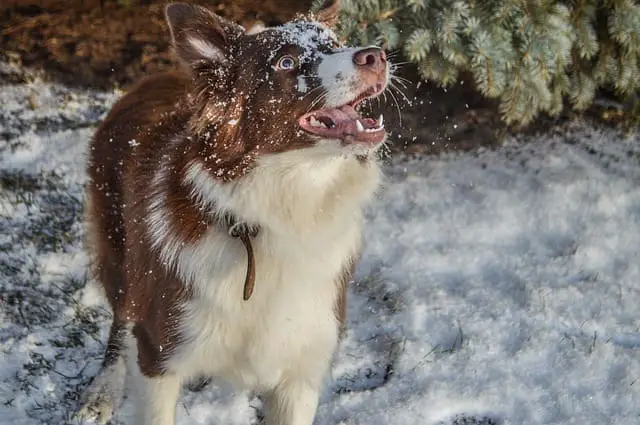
498,286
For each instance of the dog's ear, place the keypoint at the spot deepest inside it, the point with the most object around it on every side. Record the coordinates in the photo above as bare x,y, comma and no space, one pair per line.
197,34
328,13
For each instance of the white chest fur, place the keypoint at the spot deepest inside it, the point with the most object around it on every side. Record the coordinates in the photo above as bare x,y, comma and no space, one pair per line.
288,324
310,213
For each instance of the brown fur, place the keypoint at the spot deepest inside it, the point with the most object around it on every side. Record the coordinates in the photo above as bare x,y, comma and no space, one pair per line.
136,112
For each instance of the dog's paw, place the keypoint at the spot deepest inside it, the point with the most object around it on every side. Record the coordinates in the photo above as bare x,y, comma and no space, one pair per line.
98,407
104,395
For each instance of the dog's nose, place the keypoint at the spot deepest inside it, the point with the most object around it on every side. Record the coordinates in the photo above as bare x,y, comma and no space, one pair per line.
371,58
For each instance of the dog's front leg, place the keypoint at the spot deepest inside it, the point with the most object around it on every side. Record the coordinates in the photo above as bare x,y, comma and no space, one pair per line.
154,399
292,403
153,395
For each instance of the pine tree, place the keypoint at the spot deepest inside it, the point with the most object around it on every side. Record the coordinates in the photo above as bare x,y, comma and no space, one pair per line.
530,54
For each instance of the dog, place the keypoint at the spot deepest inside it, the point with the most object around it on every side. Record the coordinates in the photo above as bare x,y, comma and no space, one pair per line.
224,213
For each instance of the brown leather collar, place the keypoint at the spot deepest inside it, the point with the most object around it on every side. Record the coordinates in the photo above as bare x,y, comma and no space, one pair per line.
244,232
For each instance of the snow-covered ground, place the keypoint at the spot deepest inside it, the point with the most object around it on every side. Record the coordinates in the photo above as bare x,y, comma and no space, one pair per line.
496,287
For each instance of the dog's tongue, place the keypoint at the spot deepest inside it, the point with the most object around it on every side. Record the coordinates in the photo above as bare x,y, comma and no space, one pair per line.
343,123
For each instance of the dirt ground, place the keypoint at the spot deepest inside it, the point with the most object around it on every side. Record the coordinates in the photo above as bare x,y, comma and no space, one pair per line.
101,42
104,43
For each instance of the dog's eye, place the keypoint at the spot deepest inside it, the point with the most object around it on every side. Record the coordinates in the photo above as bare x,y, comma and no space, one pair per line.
286,63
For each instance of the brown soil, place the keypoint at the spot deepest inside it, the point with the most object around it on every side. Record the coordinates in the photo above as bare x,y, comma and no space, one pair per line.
102,43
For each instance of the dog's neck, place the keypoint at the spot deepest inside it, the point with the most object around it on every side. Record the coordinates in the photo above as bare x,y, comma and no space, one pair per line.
295,191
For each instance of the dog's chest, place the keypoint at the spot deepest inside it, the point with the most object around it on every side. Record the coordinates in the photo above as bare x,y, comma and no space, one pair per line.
288,324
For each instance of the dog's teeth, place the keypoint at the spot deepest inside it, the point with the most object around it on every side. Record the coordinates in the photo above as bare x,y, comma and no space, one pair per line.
316,123
359,125
380,121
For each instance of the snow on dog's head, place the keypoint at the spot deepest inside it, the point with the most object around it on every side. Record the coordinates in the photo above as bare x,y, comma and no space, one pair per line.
280,89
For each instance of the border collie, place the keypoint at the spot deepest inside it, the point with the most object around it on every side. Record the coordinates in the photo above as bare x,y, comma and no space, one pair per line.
225,211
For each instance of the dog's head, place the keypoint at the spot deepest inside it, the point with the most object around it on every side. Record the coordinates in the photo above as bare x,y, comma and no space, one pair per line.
283,88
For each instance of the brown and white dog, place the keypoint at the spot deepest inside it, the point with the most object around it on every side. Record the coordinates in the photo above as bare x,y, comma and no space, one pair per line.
252,166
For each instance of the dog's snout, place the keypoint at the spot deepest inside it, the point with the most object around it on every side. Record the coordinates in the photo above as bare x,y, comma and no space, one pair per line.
371,58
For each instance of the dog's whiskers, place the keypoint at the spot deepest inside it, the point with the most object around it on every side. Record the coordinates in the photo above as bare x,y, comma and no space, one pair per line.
392,86
317,100
396,103
400,80
313,90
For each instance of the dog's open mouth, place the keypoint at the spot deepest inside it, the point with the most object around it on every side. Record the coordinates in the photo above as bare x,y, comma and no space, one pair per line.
345,123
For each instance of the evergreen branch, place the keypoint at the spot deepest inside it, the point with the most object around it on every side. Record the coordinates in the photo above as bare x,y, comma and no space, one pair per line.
530,54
